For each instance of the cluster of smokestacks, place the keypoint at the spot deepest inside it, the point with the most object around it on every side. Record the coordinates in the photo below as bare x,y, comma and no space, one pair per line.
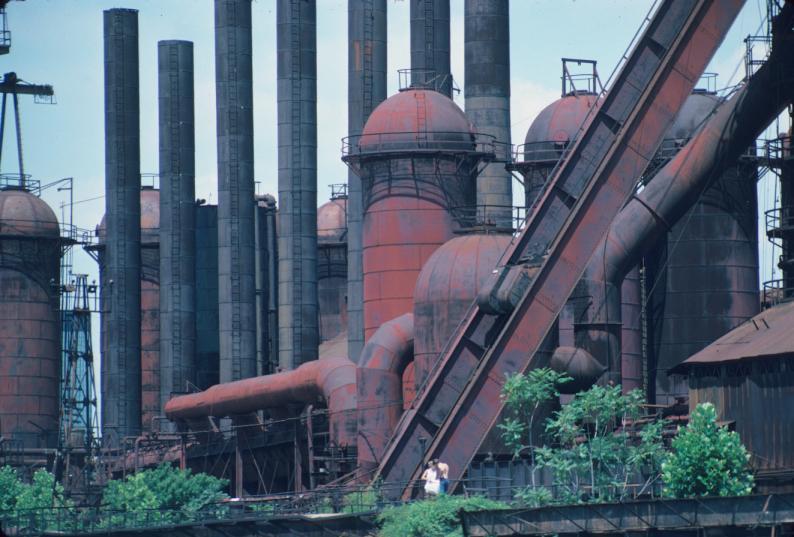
297,178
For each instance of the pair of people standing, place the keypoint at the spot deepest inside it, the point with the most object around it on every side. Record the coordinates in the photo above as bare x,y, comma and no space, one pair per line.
436,478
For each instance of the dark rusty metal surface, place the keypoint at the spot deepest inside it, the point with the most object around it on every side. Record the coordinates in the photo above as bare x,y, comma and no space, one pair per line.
446,287
151,402
707,277
366,89
296,91
768,334
756,515
332,268
178,227
235,144
487,84
121,361
430,39
29,321
332,378
379,381
456,409
417,158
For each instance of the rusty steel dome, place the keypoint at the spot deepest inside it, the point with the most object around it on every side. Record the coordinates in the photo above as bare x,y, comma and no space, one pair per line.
693,114
446,288
332,221
557,124
417,118
25,215
30,338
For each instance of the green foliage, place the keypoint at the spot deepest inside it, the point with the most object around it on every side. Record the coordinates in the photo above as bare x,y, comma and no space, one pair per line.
524,396
437,517
706,459
35,506
161,495
596,456
592,452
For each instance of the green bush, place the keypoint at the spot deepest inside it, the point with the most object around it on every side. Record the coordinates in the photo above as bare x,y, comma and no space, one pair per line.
36,506
706,459
162,495
437,517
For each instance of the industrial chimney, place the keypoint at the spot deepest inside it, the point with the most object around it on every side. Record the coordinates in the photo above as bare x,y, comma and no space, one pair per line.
297,181
235,127
430,45
487,90
177,218
121,364
366,89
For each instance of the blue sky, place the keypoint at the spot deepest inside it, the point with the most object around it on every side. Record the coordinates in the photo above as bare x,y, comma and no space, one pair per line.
60,42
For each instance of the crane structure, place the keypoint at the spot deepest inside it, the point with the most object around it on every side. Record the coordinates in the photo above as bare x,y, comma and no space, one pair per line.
12,85
502,332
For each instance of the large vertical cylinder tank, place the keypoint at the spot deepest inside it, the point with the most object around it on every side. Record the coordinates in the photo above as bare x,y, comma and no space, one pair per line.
29,322
417,158
705,279
150,303
150,308
446,288
332,267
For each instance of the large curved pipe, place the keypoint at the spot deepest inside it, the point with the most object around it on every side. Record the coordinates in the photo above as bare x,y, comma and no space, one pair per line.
379,382
733,128
330,379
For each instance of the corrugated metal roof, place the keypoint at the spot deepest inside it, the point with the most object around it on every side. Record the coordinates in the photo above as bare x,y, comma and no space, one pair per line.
768,334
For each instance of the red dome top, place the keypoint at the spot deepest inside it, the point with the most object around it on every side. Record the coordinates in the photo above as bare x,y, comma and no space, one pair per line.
332,221
23,214
560,121
395,123
458,269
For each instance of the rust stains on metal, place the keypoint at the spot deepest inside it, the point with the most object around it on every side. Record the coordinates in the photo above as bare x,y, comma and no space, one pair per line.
150,308
380,392
417,158
29,323
768,334
446,287
332,379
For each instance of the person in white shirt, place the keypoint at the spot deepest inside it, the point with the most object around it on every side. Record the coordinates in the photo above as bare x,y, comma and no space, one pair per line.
431,479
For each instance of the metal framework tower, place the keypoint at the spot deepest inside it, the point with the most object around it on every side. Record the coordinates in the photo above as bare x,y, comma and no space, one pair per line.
79,425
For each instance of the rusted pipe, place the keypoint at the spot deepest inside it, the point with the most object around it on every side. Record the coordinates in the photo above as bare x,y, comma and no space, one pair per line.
330,379
379,383
733,127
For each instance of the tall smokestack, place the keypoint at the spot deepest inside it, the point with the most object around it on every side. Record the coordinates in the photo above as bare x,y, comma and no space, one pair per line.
430,44
297,182
235,125
366,89
177,218
487,90
121,366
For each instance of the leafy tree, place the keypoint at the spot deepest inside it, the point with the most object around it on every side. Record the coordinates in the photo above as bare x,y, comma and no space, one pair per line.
600,450
526,398
34,506
597,449
161,495
706,459
431,518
